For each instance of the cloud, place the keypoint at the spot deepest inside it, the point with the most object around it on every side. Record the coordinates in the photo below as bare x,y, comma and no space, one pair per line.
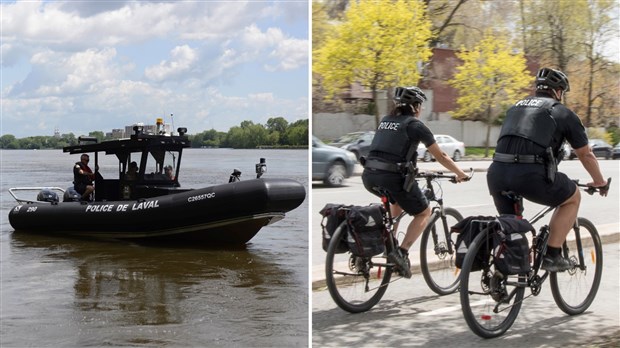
62,74
182,60
83,66
91,8
288,53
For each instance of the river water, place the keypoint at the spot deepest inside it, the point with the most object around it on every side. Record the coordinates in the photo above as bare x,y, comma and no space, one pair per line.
68,292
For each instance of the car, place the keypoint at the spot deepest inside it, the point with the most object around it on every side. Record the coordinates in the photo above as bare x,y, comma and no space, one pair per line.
616,152
361,145
599,147
331,164
454,148
346,139
566,151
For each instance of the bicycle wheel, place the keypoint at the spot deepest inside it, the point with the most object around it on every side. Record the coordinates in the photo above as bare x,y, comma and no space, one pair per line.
490,301
575,289
438,251
356,284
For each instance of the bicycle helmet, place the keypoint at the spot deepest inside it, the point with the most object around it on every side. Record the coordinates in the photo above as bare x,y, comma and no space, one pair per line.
548,77
409,95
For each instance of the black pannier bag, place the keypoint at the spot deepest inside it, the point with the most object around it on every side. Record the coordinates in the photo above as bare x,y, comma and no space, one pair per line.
467,230
510,245
366,229
333,216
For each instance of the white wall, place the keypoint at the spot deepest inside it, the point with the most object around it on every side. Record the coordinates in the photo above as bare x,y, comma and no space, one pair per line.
331,126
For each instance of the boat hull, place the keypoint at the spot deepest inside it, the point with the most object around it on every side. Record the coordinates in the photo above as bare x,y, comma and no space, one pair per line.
222,214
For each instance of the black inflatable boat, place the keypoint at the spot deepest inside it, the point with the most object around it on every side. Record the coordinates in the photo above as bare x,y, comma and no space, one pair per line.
141,207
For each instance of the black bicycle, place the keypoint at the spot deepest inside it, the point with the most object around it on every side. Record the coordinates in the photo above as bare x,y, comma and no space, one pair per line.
356,283
437,244
491,301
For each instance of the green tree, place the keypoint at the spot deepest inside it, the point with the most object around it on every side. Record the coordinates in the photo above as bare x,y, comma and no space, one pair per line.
379,44
247,136
572,36
6,140
213,138
277,124
69,139
553,29
320,23
297,133
599,29
490,79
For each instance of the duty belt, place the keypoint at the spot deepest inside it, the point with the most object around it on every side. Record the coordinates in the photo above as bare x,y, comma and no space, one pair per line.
517,158
381,165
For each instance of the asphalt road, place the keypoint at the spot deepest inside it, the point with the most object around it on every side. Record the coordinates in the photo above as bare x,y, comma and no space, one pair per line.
410,314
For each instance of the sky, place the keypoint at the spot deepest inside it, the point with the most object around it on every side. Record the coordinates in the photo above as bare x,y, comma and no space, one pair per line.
82,66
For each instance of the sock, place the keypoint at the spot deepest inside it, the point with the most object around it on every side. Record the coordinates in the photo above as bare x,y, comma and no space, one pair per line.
551,251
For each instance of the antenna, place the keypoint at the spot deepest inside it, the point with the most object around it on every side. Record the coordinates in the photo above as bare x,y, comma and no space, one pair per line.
172,121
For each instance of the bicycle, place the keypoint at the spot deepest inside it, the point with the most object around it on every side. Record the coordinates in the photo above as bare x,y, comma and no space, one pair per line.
491,301
356,284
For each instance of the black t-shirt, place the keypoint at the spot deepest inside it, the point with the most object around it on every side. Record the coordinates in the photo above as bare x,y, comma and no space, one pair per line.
568,127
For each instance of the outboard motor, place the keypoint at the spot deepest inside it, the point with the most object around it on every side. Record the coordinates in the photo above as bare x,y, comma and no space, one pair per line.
71,195
47,195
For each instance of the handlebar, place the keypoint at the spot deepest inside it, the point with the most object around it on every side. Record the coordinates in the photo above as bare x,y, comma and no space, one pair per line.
591,189
440,175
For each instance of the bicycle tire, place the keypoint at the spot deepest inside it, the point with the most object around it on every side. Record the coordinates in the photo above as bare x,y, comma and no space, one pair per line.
476,290
437,263
575,289
355,284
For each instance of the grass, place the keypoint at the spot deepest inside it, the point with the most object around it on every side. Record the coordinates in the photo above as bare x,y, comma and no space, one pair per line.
478,152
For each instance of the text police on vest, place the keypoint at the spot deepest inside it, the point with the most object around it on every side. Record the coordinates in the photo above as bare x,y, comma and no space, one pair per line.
389,125
530,102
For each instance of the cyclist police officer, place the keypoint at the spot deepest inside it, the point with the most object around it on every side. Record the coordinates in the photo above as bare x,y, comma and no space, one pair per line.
390,165
526,157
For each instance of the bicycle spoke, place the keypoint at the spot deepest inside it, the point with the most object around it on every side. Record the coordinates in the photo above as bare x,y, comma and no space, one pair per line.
356,284
437,253
575,289
489,300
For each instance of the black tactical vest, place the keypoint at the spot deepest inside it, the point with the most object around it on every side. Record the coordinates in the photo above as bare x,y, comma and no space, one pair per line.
530,118
391,137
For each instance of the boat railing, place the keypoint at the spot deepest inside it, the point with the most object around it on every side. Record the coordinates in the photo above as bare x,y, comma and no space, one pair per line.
13,193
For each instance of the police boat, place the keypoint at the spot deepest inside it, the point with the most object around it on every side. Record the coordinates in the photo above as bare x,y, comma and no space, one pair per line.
151,205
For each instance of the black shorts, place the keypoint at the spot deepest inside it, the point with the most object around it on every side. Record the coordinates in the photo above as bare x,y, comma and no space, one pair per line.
81,187
413,202
529,181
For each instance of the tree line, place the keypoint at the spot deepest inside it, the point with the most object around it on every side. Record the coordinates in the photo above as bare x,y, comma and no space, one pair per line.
277,132
495,55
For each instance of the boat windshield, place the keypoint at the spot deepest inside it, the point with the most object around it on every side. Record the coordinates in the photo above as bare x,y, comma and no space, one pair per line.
161,165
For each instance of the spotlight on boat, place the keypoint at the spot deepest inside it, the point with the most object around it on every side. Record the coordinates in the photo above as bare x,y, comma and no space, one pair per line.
137,129
235,176
182,131
261,168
